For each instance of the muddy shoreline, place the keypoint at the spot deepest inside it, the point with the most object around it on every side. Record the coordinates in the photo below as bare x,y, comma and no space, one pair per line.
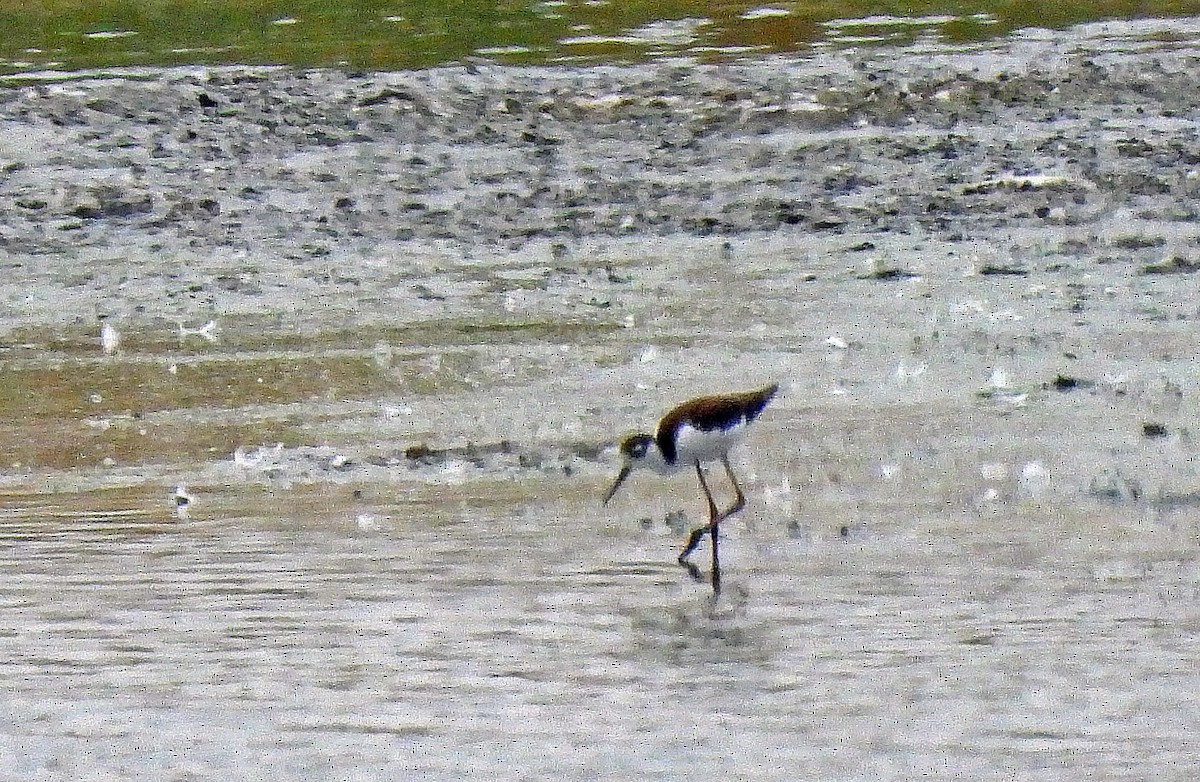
450,243
249,179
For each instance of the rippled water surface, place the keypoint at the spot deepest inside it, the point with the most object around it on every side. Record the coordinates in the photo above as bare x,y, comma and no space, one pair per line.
532,640
69,35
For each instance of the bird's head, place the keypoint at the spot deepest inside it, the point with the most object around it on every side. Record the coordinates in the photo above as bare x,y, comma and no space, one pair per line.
636,451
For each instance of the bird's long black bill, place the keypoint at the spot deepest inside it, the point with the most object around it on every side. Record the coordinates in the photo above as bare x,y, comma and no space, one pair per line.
621,476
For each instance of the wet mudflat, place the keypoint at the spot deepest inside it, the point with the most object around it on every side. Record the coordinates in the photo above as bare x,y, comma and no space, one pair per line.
325,500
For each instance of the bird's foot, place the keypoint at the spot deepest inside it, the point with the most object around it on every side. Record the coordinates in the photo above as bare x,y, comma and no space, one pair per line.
692,571
693,541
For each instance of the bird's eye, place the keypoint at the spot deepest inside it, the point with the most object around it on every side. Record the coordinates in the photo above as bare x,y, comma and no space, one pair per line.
636,447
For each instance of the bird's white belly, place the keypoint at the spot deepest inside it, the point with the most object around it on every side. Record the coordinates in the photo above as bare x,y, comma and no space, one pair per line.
697,445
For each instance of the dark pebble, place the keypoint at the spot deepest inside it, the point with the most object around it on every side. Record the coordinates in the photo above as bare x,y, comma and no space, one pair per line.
1154,430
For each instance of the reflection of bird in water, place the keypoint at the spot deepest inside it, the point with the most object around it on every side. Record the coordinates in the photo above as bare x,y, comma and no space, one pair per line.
700,430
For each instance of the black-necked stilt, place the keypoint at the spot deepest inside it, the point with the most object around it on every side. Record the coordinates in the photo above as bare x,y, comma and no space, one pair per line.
697,431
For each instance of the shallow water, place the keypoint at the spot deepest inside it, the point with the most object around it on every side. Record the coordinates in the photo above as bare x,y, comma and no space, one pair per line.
513,641
326,503
70,35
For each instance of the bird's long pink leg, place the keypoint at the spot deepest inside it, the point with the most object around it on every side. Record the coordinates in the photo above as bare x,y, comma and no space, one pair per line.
714,518
739,500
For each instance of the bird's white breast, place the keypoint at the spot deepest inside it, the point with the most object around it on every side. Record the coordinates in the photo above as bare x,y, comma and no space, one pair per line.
698,445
